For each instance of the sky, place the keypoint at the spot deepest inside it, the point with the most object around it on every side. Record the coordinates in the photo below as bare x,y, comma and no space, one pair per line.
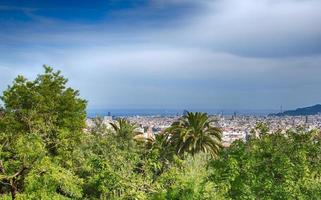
218,54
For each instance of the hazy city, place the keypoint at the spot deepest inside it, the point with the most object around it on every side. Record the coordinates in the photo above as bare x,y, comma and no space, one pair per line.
235,127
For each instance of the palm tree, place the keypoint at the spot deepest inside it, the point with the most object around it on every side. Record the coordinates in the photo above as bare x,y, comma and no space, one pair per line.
124,132
193,133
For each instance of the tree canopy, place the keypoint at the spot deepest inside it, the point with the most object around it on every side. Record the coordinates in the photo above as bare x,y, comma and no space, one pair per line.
41,127
274,166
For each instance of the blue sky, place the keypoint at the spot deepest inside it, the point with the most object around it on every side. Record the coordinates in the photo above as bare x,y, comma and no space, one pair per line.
225,54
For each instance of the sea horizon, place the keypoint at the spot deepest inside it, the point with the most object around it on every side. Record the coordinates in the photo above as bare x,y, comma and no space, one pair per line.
119,112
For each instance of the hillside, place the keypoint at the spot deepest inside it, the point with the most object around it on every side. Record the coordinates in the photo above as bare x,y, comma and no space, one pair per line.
312,110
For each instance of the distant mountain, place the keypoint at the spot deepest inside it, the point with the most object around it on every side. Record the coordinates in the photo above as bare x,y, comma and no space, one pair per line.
312,110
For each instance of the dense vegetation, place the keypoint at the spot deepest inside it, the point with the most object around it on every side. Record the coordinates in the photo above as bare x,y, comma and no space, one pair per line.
46,153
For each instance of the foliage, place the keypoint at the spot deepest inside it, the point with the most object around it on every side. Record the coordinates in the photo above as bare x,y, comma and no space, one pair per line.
124,133
46,178
41,127
194,133
186,180
275,166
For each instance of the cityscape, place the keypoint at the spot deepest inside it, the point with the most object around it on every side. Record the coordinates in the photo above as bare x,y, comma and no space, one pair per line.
234,127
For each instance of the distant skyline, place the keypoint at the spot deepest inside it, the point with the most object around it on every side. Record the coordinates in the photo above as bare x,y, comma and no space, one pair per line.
181,54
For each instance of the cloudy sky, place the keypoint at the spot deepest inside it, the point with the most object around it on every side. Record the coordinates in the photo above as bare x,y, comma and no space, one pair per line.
226,54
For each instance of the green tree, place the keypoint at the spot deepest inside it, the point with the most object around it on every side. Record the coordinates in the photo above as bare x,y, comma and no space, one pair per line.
115,167
260,129
156,155
274,166
124,132
194,133
186,180
41,127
